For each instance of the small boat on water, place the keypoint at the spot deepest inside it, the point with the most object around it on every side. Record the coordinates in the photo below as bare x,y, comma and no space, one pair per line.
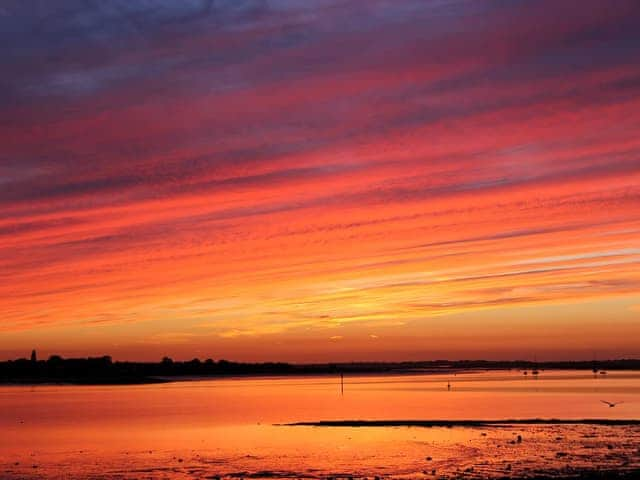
534,370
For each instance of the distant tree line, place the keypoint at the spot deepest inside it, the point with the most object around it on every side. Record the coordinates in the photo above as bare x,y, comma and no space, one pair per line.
96,370
103,370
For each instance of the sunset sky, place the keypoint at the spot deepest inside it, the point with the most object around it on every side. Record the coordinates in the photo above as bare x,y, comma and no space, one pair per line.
320,181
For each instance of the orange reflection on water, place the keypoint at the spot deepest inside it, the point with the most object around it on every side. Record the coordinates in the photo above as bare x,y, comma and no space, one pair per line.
220,425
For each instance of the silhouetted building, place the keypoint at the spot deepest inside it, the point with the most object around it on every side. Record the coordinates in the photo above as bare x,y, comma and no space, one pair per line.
34,358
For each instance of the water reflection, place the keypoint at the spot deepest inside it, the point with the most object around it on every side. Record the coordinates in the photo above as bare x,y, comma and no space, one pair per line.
218,425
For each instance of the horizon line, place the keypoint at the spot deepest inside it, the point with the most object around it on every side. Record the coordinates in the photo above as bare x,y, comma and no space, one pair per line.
383,362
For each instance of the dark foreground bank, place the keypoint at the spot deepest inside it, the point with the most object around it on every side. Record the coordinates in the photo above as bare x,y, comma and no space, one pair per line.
464,423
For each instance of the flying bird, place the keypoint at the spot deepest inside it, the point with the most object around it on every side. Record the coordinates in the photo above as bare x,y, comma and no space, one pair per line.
611,404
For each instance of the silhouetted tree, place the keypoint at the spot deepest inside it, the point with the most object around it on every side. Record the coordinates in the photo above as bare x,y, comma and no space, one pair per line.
55,359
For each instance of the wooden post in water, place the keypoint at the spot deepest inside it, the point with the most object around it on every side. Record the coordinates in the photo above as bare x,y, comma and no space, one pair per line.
341,383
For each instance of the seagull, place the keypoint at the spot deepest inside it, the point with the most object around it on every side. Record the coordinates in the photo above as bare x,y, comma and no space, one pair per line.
611,404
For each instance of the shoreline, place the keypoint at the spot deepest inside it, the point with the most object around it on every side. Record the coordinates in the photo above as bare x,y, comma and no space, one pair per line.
464,423
160,379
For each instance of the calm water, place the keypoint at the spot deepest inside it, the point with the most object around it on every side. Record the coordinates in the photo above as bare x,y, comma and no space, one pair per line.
195,429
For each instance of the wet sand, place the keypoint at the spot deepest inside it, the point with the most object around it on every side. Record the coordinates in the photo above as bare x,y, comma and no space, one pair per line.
492,451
